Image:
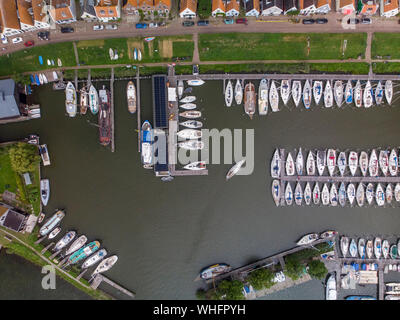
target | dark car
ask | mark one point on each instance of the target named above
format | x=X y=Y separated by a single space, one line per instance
x=241 y=20
x=188 y=23
x=29 y=43
x=43 y=35
x=203 y=23
x=366 y=21
x=353 y=21
x=141 y=25
x=67 y=29
x=321 y=20
x=308 y=21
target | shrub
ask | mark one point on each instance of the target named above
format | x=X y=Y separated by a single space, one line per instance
x=317 y=269
x=261 y=278
x=294 y=268
x=230 y=290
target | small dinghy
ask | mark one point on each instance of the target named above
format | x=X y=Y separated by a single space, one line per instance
x=369 y=249
x=59 y=63
x=321 y=161
x=353 y=248
x=189 y=134
x=288 y=194
x=333 y=196
x=389 y=91
x=369 y=193
x=180 y=88
x=338 y=92
x=276 y=164
x=353 y=162
x=361 y=248
x=378 y=247
x=188 y=106
x=235 y=169
x=368 y=96
x=316 y=194
x=273 y=97
x=358 y=94
x=385 y=249
x=307 y=239
x=342 y=194
x=384 y=161
x=328 y=234
x=373 y=164
x=290 y=169
x=310 y=164
x=229 y=94
x=331 y=161
x=348 y=93
x=191 y=145
x=192 y=124
x=342 y=163
x=276 y=192
x=393 y=163
x=317 y=91
x=307 y=194
x=238 y=92
x=44 y=191
x=344 y=245
x=55 y=232
x=379 y=93
x=360 y=195
x=188 y=99
x=328 y=95
x=389 y=193
x=351 y=193
x=195 y=82
x=296 y=92
x=298 y=194
x=299 y=163
x=263 y=97
x=190 y=114
x=285 y=91
x=397 y=192
x=363 y=163
x=195 y=166
x=325 y=195
x=380 y=195
x=307 y=94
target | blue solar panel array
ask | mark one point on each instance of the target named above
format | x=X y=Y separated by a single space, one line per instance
x=159 y=102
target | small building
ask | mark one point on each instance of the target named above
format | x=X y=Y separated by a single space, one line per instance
x=162 y=7
x=252 y=8
x=389 y=8
x=9 y=100
x=307 y=7
x=322 y=6
x=11 y=219
x=9 y=21
x=146 y=6
x=40 y=16
x=27 y=179
x=25 y=13
x=88 y=12
x=218 y=8
x=271 y=7
x=367 y=7
x=108 y=10
x=289 y=6
x=188 y=9
x=232 y=8
x=130 y=7
x=62 y=11
x=345 y=6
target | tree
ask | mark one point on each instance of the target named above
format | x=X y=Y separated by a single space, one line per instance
x=230 y=290
x=261 y=278
x=23 y=157
x=317 y=269
x=201 y=294
x=294 y=269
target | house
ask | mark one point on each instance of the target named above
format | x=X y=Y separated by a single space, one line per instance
x=162 y=7
x=271 y=7
x=130 y=7
x=289 y=6
x=367 y=7
x=9 y=99
x=345 y=6
x=25 y=13
x=252 y=8
x=108 y=10
x=12 y=219
x=218 y=8
x=322 y=6
x=88 y=12
x=40 y=16
x=147 y=6
x=389 y=8
x=307 y=7
x=188 y=9
x=232 y=8
x=9 y=21
x=62 y=11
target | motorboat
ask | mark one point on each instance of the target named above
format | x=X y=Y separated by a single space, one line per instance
x=331 y=291
x=373 y=164
x=361 y=248
x=316 y=194
x=360 y=195
x=250 y=99
x=192 y=124
x=131 y=96
x=338 y=92
x=188 y=99
x=360 y=298
x=195 y=166
x=290 y=168
x=299 y=163
x=353 y=250
x=307 y=94
x=333 y=195
x=188 y=106
x=389 y=91
x=344 y=245
x=328 y=234
x=191 y=145
x=64 y=241
x=378 y=247
x=93 y=100
x=51 y=223
x=44 y=191
x=180 y=88
x=358 y=96
x=273 y=97
x=310 y=164
x=393 y=162
x=70 y=99
x=342 y=194
x=379 y=93
x=296 y=92
x=331 y=161
x=328 y=95
x=379 y=195
x=385 y=249
x=44 y=153
x=238 y=92
x=189 y=134
x=94 y=258
x=384 y=161
x=369 y=249
x=146 y=143
x=276 y=165
x=54 y=233
x=368 y=95
x=83 y=253
x=342 y=162
x=214 y=270
x=348 y=93
x=351 y=193
x=298 y=194
x=321 y=161
x=76 y=245
x=263 y=97
x=325 y=194
x=288 y=194
x=369 y=193
x=394 y=252
x=317 y=91
x=285 y=91
x=308 y=239
x=307 y=194
x=353 y=162
x=195 y=82
x=397 y=192
x=276 y=191
x=229 y=94
x=363 y=163
x=190 y=114
x=235 y=169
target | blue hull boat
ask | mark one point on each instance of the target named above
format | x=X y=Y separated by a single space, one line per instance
x=40 y=59
x=37 y=80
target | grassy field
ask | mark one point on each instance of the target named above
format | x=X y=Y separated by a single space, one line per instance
x=7 y=175
x=28 y=59
x=272 y=46
x=386 y=68
x=386 y=44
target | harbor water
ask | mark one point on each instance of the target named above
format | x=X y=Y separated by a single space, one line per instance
x=165 y=232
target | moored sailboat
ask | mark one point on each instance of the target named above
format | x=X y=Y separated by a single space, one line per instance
x=235 y=169
x=368 y=95
x=358 y=94
x=307 y=94
x=317 y=91
x=328 y=95
x=93 y=100
x=378 y=93
x=238 y=92
x=229 y=94
x=131 y=96
x=310 y=164
x=285 y=91
x=249 y=99
x=263 y=97
x=276 y=164
x=353 y=162
x=296 y=92
x=338 y=92
x=276 y=192
x=273 y=97
x=348 y=93
x=389 y=91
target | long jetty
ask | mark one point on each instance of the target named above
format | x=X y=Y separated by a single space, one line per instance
x=138 y=107
x=112 y=111
x=99 y=278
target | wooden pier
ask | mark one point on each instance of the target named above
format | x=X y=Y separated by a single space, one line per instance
x=112 y=111
x=47 y=247
x=138 y=107
x=99 y=278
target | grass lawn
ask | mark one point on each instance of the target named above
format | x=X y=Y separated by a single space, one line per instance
x=273 y=46
x=386 y=68
x=386 y=44
x=28 y=59
x=7 y=174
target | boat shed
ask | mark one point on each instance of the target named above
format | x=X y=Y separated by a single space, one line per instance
x=11 y=219
x=8 y=99
x=160 y=120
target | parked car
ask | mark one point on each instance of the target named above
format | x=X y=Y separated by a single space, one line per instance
x=153 y=25
x=247 y=289
x=141 y=25
x=98 y=27
x=366 y=21
x=308 y=21
x=188 y=23
x=67 y=29
x=29 y=43
x=43 y=35
x=321 y=20
x=4 y=40
x=353 y=21
x=17 y=40
x=228 y=21
x=203 y=23
x=241 y=21
x=111 y=27
x=279 y=277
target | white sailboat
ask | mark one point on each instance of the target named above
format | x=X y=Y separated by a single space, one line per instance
x=393 y=163
x=196 y=166
x=195 y=82
x=389 y=91
x=328 y=95
x=353 y=162
x=180 y=88
x=189 y=134
x=379 y=93
x=348 y=93
x=384 y=161
x=369 y=193
x=360 y=195
x=285 y=91
x=188 y=106
x=317 y=91
x=276 y=192
x=368 y=97
x=273 y=97
x=379 y=195
x=333 y=195
x=238 y=92
x=331 y=161
x=235 y=169
x=299 y=163
x=363 y=163
x=358 y=94
x=263 y=97
x=325 y=195
x=298 y=194
x=338 y=92
x=351 y=193
x=288 y=194
x=192 y=124
x=316 y=194
x=342 y=163
x=296 y=92
x=93 y=100
x=307 y=194
x=321 y=161
x=389 y=193
x=397 y=192
x=310 y=164
x=342 y=194
x=307 y=94
x=229 y=94
x=290 y=169
x=188 y=99
x=373 y=164
x=276 y=164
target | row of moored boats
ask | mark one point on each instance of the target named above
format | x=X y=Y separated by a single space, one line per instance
x=369 y=249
